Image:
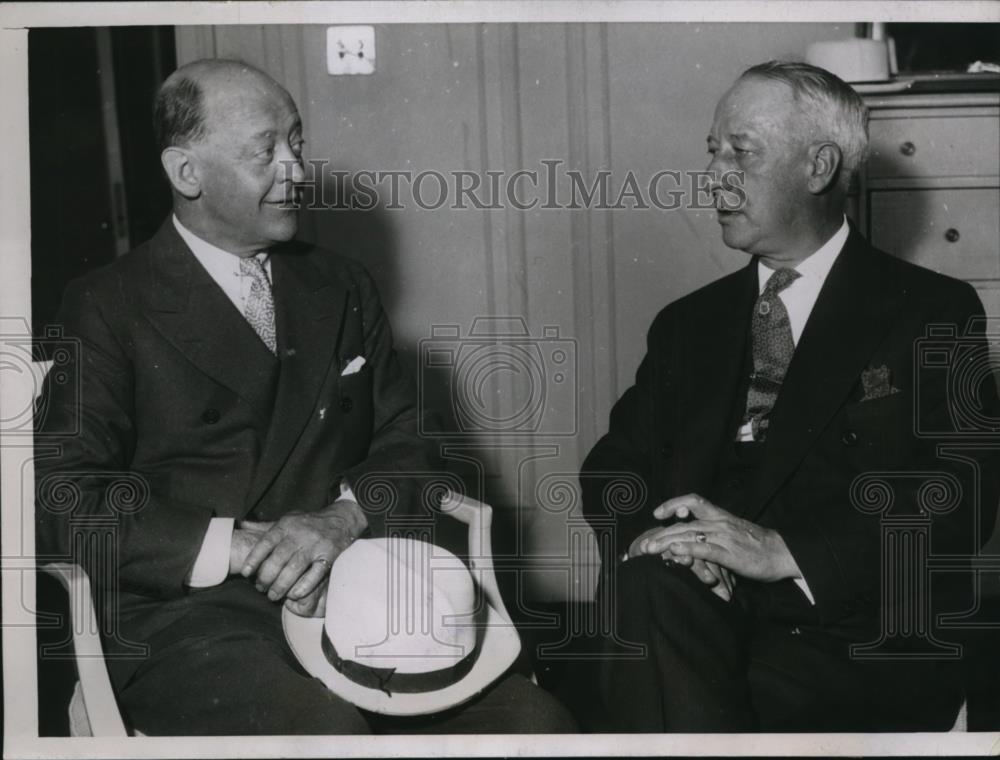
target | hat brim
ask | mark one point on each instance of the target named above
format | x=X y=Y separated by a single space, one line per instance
x=500 y=647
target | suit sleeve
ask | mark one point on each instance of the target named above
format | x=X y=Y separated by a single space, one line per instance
x=841 y=557
x=90 y=508
x=617 y=480
x=392 y=480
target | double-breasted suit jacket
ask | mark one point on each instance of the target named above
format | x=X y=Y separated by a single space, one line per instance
x=184 y=415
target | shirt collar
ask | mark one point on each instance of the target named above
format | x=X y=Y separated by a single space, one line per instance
x=205 y=250
x=817 y=265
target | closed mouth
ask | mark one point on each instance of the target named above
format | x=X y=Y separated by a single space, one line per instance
x=727 y=202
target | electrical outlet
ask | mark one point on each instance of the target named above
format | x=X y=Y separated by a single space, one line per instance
x=350 y=50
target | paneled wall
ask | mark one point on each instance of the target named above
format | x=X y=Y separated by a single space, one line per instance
x=611 y=97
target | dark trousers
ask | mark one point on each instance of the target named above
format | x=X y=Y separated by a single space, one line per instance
x=225 y=669
x=714 y=666
x=251 y=685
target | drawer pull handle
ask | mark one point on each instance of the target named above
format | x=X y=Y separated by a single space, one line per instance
x=951 y=235
x=907 y=148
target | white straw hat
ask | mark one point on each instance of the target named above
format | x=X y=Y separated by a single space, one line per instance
x=407 y=630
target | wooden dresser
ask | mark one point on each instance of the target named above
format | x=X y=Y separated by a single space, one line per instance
x=931 y=190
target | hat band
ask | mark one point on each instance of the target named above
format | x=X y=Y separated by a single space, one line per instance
x=389 y=681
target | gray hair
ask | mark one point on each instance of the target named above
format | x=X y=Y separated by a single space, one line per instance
x=833 y=108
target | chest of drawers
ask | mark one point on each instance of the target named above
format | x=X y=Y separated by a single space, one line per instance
x=931 y=190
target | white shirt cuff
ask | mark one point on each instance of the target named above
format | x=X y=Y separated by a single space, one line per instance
x=346 y=492
x=211 y=567
x=801 y=583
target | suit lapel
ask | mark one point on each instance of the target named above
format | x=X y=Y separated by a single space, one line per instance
x=310 y=316
x=716 y=342
x=192 y=312
x=850 y=317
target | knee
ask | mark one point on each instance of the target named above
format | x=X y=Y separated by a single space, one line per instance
x=322 y=712
x=532 y=710
x=640 y=571
x=235 y=685
x=652 y=572
x=647 y=583
x=640 y=577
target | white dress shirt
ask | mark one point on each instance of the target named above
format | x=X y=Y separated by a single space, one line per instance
x=211 y=567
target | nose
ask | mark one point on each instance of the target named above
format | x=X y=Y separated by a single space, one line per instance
x=291 y=168
x=298 y=171
x=718 y=167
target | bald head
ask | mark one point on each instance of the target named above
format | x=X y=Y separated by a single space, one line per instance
x=231 y=146
x=191 y=99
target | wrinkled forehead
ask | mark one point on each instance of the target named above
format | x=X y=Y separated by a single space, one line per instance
x=757 y=104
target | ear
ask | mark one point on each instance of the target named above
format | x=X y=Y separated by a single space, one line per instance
x=182 y=172
x=825 y=161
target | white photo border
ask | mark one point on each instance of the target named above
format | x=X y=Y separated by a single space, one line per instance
x=20 y=729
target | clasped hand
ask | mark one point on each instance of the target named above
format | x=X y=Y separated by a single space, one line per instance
x=290 y=558
x=716 y=545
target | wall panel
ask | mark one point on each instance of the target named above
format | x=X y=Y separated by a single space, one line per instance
x=613 y=97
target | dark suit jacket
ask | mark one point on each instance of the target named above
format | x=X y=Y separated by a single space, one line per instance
x=669 y=429
x=180 y=402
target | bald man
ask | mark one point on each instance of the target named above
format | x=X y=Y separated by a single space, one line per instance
x=244 y=385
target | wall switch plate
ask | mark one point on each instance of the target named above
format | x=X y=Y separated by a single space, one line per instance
x=350 y=50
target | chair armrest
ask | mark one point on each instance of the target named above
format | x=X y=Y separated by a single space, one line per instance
x=95 y=685
x=479 y=518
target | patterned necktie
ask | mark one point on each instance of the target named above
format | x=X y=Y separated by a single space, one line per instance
x=772 y=351
x=260 y=302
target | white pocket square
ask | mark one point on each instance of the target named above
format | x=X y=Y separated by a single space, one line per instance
x=354 y=365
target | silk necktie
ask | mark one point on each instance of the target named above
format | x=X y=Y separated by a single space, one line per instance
x=772 y=351
x=260 y=302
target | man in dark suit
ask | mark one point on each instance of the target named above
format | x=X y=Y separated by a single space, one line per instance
x=778 y=424
x=239 y=394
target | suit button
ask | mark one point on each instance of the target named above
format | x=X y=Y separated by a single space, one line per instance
x=667 y=451
x=210 y=416
x=346 y=404
x=796 y=631
x=850 y=438
x=736 y=482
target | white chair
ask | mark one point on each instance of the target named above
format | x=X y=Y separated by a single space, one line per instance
x=93 y=709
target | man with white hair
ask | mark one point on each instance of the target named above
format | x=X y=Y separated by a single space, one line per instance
x=779 y=423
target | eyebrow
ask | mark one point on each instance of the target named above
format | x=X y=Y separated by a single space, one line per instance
x=736 y=135
x=266 y=133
